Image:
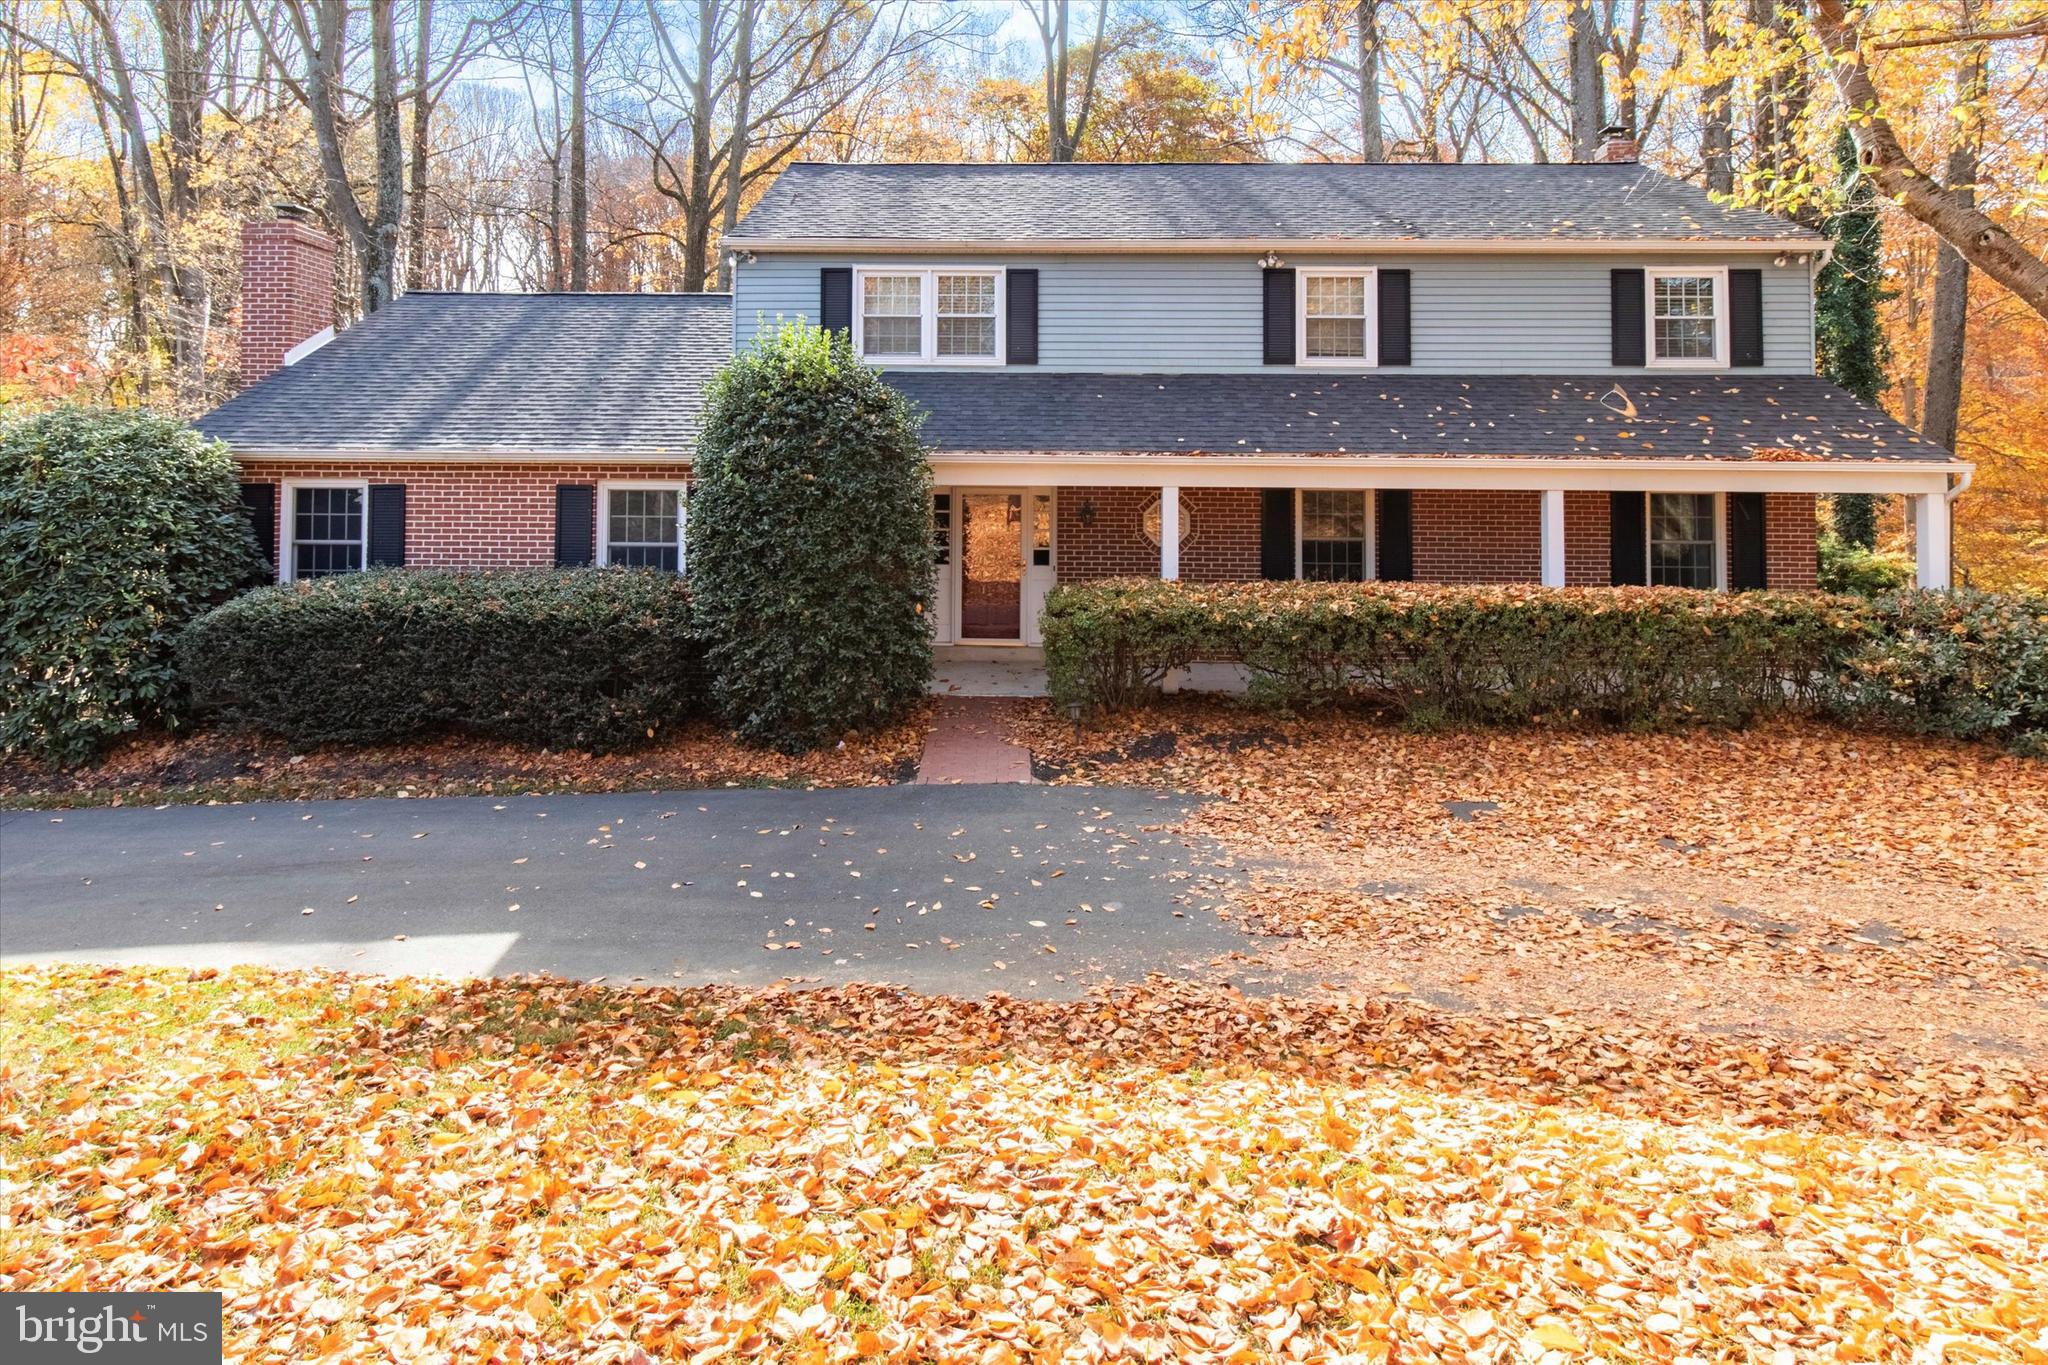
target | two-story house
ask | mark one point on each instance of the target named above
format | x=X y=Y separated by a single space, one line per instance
x=1560 y=374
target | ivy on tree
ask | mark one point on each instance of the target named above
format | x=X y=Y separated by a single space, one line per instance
x=1852 y=348
x=810 y=543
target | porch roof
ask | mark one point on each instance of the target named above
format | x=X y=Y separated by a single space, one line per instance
x=1545 y=417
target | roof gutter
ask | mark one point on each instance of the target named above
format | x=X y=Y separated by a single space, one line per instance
x=1662 y=246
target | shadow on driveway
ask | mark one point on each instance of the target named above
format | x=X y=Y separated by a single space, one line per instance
x=1037 y=891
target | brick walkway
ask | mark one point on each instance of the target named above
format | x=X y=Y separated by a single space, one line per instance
x=966 y=745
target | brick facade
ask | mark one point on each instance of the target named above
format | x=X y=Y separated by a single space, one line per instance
x=502 y=516
x=1221 y=544
x=1791 y=551
x=287 y=291
x=465 y=516
x=1478 y=535
x=1460 y=535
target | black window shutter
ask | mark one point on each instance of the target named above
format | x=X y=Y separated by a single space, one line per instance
x=575 y=525
x=1628 y=549
x=1020 y=317
x=1397 y=535
x=1625 y=290
x=1280 y=317
x=259 y=504
x=387 y=525
x=835 y=299
x=1746 y=318
x=1276 y=534
x=1746 y=571
x=1394 y=318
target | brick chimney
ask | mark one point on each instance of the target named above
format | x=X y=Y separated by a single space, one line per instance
x=1618 y=144
x=287 y=288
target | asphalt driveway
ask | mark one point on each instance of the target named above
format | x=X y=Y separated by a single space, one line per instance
x=1028 y=889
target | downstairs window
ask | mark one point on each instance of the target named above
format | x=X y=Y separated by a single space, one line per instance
x=1682 y=541
x=642 y=527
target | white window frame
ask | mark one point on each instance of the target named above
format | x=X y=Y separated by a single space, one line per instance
x=288 y=514
x=1372 y=530
x=604 y=516
x=1719 y=275
x=1371 y=276
x=1720 y=535
x=928 y=315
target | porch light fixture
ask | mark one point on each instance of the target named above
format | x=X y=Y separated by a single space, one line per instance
x=1087 y=512
x=1271 y=261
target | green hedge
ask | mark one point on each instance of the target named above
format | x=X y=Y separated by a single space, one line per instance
x=116 y=528
x=581 y=659
x=1961 y=664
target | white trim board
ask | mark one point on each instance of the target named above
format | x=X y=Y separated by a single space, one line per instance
x=1327 y=471
x=1053 y=246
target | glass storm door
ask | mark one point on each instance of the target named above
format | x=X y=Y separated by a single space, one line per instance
x=991 y=566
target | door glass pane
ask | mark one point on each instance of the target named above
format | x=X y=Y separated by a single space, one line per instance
x=942 y=528
x=991 y=566
x=1041 y=529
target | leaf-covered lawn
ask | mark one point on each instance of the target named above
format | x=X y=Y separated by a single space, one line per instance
x=1793 y=881
x=524 y=1171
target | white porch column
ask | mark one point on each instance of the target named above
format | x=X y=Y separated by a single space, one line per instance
x=1930 y=539
x=1553 y=537
x=1169 y=534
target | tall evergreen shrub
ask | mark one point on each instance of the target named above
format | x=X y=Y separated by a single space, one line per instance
x=116 y=528
x=809 y=540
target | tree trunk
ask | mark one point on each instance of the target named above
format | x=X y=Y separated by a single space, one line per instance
x=579 y=178
x=736 y=154
x=1372 y=139
x=1980 y=241
x=1717 y=138
x=1589 y=102
x=422 y=118
x=380 y=264
x=1949 y=325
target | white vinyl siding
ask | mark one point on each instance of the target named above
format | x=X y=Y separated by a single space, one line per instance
x=1204 y=314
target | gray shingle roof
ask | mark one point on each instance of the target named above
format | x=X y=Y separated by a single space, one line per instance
x=1422 y=202
x=519 y=373
x=623 y=375
x=1697 y=417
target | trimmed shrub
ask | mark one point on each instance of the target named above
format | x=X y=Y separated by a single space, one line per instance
x=1965 y=664
x=810 y=543
x=1971 y=665
x=574 y=659
x=1637 y=656
x=116 y=528
x=1847 y=567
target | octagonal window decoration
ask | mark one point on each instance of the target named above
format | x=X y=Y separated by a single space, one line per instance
x=1150 y=522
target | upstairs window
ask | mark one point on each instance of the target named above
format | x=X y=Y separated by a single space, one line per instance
x=1688 y=317
x=944 y=316
x=892 y=316
x=641 y=527
x=1336 y=322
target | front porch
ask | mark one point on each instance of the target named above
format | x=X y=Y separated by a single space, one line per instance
x=1713 y=524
